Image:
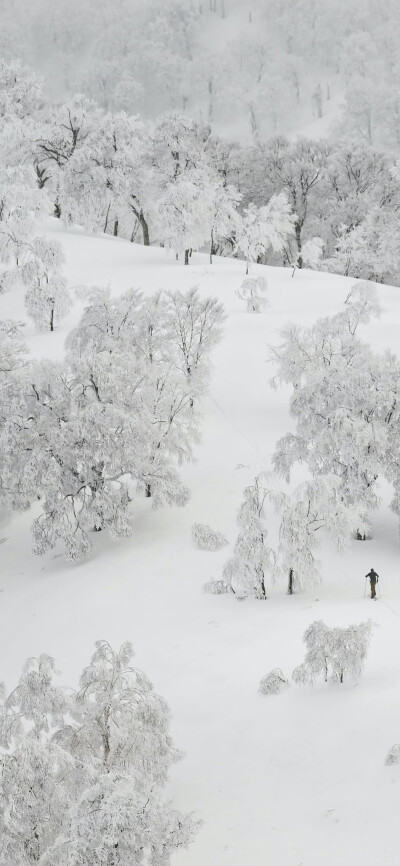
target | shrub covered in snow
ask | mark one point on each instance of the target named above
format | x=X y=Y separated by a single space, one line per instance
x=393 y=755
x=206 y=538
x=217 y=587
x=273 y=683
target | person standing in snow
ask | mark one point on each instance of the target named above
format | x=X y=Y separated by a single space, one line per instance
x=373 y=579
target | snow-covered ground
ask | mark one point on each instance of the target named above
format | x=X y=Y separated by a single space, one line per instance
x=290 y=780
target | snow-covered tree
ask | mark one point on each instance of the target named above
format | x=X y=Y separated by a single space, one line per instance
x=82 y=773
x=313 y=509
x=196 y=327
x=47 y=302
x=20 y=205
x=368 y=250
x=311 y=254
x=344 y=401
x=251 y=291
x=264 y=228
x=224 y=217
x=20 y=91
x=252 y=561
x=333 y=653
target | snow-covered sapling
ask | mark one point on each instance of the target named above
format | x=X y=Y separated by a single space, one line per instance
x=48 y=298
x=273 y=683
x=251 y=291
x=206 y=538
x=252 y=560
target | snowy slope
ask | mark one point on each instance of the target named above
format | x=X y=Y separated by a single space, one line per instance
x=292 y=780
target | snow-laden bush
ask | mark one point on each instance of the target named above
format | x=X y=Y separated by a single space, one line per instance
x=217 y=587
x=273 y=683
x=206 y=538
x=393 y=755
x=333 y=652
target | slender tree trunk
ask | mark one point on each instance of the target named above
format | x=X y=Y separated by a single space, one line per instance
x=116 y=223
x=290 y=584
x=186 y=257
x=106 y=222
x=52 y=319
x=297 y=230
x=148 y=490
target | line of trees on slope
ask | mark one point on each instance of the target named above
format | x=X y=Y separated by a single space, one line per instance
x=173 y=182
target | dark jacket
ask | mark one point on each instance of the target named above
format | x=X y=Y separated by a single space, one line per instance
x=373 y=576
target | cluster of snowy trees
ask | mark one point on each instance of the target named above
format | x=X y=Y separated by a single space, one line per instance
x=345 y=401
x=333 y=653
x=314 y=509
x=269 y=65
x=116 y=416
x=82 y=772
x=345 y=195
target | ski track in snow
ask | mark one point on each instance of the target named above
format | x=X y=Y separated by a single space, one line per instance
x=291 y=780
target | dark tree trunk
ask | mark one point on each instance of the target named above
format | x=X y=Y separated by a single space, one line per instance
x=148 y=490
x=297 y=230
x=186 y=257
x=143 y=225
x=290 y=584
x=52 y=319
x=57 y=209
x=116 y=223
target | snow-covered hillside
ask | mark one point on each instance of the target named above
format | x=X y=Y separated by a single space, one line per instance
x=293 y=780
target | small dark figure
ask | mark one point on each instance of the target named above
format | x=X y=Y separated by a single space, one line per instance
x=373 y=579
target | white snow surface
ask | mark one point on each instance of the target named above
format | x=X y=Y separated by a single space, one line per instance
x=296 y=779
